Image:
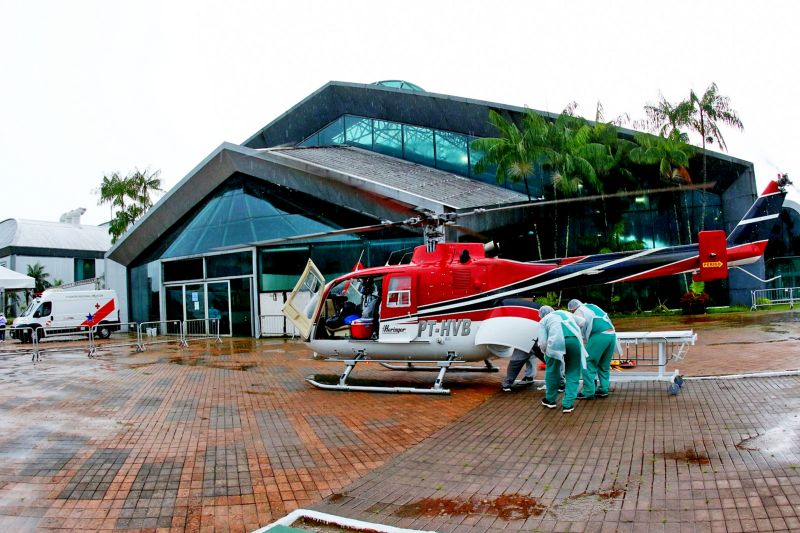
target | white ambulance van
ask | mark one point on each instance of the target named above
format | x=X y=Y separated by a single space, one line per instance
x=60 y=311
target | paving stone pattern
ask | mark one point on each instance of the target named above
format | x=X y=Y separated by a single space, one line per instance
x=199 y=439
x=209 y=438
x=721 y=456
x=226 y=472
x=151 y=500
x=95 y=475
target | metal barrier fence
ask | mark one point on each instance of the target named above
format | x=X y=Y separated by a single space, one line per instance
x=28 y=340
x=277 y=326
x=202 y=328
x=767 y=297
x=60 y=339
x=158 y=332
x=118 y=336
x=653 y=349
x=21 y=336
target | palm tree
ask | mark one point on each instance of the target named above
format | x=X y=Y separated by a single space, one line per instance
x=129 y=196
x=667 y=119
x=145 y=184
x=708 y=111
x=671 y=155
x=516 y=151
x=37 y=272
x=113 y=190
x=571 y=157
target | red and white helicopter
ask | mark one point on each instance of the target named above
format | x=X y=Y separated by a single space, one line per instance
x=454 y=304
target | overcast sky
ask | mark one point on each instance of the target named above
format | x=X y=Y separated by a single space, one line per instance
x=89 y=88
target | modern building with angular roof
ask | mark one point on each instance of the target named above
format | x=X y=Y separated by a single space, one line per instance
x=352 y=155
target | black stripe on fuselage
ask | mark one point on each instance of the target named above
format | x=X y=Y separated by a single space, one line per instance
x=577 y=274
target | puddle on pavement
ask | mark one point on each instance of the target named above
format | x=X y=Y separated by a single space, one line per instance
x=588 y=504
x=780 y=439
x=203 y=362
x=687 y=456
x=140 y=365
x=758 y=342
x=506 y=507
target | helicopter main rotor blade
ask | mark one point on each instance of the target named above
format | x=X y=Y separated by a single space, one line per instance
x=321 y=234
x=621 y=194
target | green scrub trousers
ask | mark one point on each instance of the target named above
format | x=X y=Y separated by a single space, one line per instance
x=572 y=373
x=601 y=351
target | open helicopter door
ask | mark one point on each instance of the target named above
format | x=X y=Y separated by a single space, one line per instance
x=302 y=305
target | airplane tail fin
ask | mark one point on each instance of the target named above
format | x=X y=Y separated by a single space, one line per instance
x=757 y=224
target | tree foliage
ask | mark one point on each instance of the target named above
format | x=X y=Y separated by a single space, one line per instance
x=516 y=151
x=39 y=275
x=129 y=196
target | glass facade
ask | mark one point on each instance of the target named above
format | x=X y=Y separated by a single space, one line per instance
x=242 y=212
x=445 y=150
x=400 y=84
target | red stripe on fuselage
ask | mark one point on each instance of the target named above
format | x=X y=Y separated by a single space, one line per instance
x=100 y=314
x=746 y=251
x=570 y=260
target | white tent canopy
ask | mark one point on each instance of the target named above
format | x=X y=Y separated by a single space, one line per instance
x=14 y=280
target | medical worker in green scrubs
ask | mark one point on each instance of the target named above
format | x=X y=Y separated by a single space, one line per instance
x=560 y=340
x=600 y=339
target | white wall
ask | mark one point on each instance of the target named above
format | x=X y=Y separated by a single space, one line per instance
x=99 y=267
x=117 y=279
x=62 y=268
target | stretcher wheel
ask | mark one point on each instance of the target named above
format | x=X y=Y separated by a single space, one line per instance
x=678 y=381
x=673 y=389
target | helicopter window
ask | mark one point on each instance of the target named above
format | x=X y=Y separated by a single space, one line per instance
x=399 y=292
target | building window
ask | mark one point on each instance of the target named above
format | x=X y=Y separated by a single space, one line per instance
x=182 y=270
x=388 y=138
x=418 y=145
x=84 y=269
x=358 y=131
x=225 y=265
x=451 y=152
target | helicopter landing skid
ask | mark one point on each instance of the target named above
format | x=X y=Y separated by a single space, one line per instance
x=350 y=364
x=411 y=367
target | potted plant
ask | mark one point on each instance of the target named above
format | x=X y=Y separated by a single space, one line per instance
x=696 y=300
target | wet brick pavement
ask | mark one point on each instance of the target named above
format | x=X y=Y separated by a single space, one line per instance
x=208 y=438
x=228 y=438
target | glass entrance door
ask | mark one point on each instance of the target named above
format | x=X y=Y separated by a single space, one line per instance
x=241 y=307
x=219 y=305
x=200 y=301
x=195 y=301
x=173 y=298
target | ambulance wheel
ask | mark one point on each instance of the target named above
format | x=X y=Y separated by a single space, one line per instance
x=103 y=332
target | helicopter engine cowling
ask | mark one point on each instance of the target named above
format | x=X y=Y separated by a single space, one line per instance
x=509 y=328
